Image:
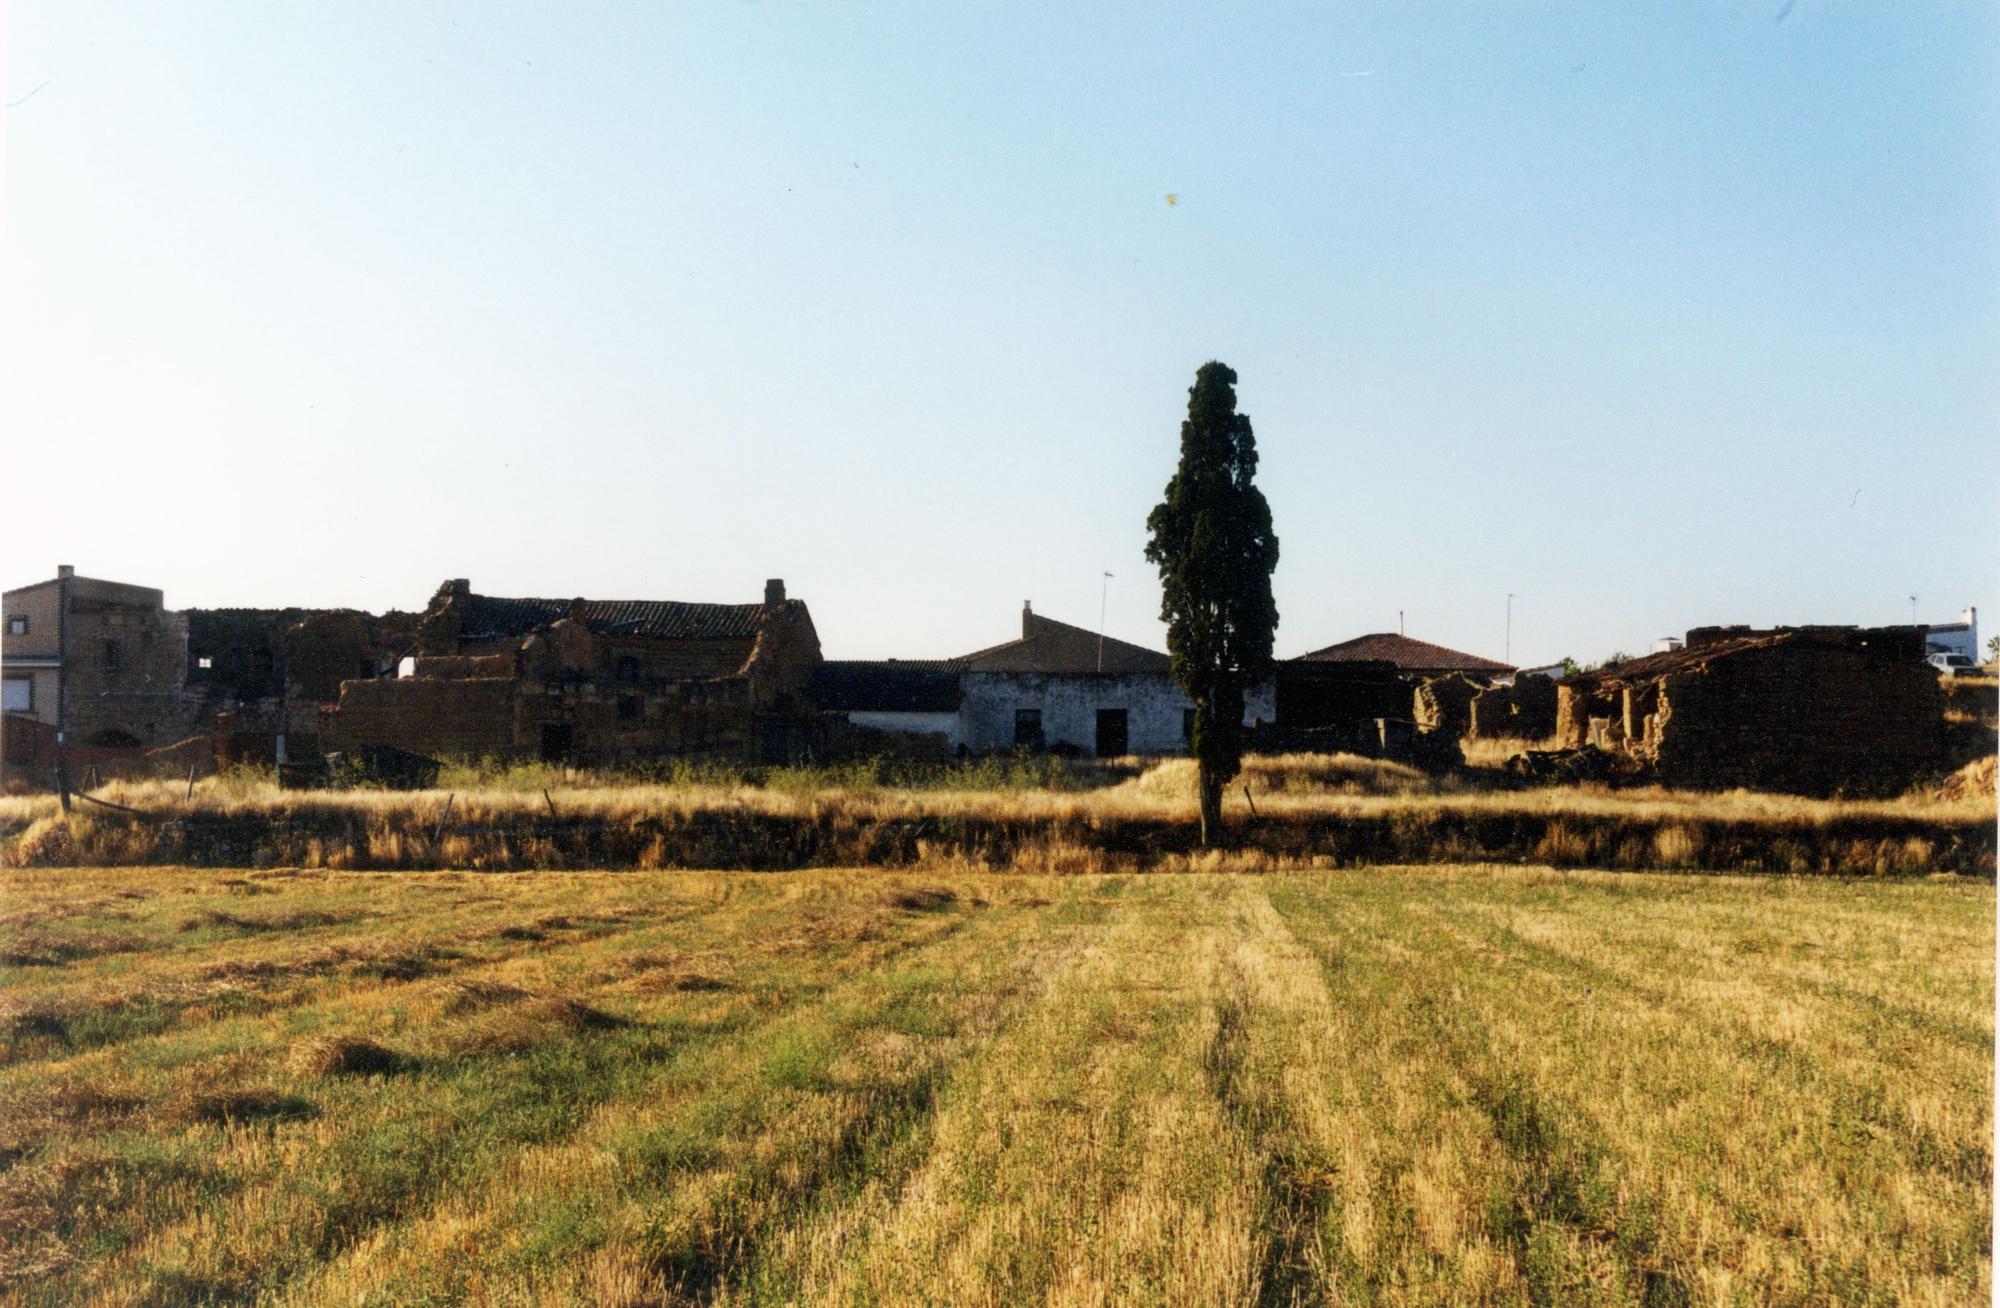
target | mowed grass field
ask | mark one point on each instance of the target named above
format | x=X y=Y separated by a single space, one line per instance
x=1437 y=1085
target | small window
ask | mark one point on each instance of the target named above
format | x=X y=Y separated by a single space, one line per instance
x=20 y=695
x=17 y=625
x=204 y=662
x=114 y=658
x=1027 y=728
x=630 y=708
x=628 y=669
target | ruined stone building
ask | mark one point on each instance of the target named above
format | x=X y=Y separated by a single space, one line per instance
x=118 y=673
x=1367 y=693
x=593 y=681
x=1808 y=710
x=1523 y=709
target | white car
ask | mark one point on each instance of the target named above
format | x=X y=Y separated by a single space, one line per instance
x=1952 y=665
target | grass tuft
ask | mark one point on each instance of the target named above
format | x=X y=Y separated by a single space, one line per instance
x=341 y=1056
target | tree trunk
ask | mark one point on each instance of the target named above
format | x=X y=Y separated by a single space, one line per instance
x=1211 y=807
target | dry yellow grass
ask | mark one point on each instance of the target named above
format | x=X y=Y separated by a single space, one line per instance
x=1401 y=1086
x=1289 y=807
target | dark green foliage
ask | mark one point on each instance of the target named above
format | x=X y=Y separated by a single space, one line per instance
x=1213 y=544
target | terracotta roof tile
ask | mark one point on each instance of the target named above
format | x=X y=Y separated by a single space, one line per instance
x=1406 y=653
x=491 y=616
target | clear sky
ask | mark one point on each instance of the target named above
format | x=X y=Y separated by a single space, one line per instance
x=1655 y=315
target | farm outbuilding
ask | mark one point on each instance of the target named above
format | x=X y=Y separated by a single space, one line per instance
x=1806 y=709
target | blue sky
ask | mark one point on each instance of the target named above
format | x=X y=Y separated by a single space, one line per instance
x=1654 y=315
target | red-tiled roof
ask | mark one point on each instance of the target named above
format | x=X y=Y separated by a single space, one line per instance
x=1407 y=654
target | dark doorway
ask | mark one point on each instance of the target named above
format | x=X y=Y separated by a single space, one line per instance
x=1111 y=737
x=557 y=740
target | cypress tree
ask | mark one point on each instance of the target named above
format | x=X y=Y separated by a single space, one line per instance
x=1213 y=543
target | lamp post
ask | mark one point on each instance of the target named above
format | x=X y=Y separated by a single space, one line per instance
x=1103 y=593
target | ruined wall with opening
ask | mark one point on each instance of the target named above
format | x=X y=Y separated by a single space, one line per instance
x=1805 y=715
x=1444 y=704
x=1792 y=716
x=1526 y=710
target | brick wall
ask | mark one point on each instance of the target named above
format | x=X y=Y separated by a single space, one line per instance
x=437 y=718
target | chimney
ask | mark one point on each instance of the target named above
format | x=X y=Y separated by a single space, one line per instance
x=64 y=570
x=774 y=591
x=1027 y=618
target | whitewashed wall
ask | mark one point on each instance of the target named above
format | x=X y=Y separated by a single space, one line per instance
x=1154 y=708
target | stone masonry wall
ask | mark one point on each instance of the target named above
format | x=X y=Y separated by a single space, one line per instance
x=440 y=719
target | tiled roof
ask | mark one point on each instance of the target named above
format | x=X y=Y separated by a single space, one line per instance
x=1406 y=653
x=1052 y=646
x=490 y=616
x=887 y=686
x=1675 y=660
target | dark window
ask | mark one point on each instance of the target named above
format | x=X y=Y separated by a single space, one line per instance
x=1111 y=733
x=629 y=707
x=1027 y=728
x=558 y=738
x=628 y=668
x=17 y=626
x=1187 y=725
x=113 y=738
x=20 y=695
x=114 y=658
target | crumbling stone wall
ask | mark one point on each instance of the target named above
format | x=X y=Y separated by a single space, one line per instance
x=124 y=668
x=463 y=718
x=783 y=657
x=1810 y=711
x=1525 y=710
x=1578 y=702
x=1794 y=717
x=1444 y=704
x=314 y=649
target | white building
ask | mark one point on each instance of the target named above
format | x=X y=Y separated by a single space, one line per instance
x=1961 y=637
x=1058 y=687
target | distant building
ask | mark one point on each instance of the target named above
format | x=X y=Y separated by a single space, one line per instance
x=1806 y=709
x=1408 y=656
x=1057 y=687
x=594 y=681
x=103 y=662
x=1961 y=637
x=910 y=696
